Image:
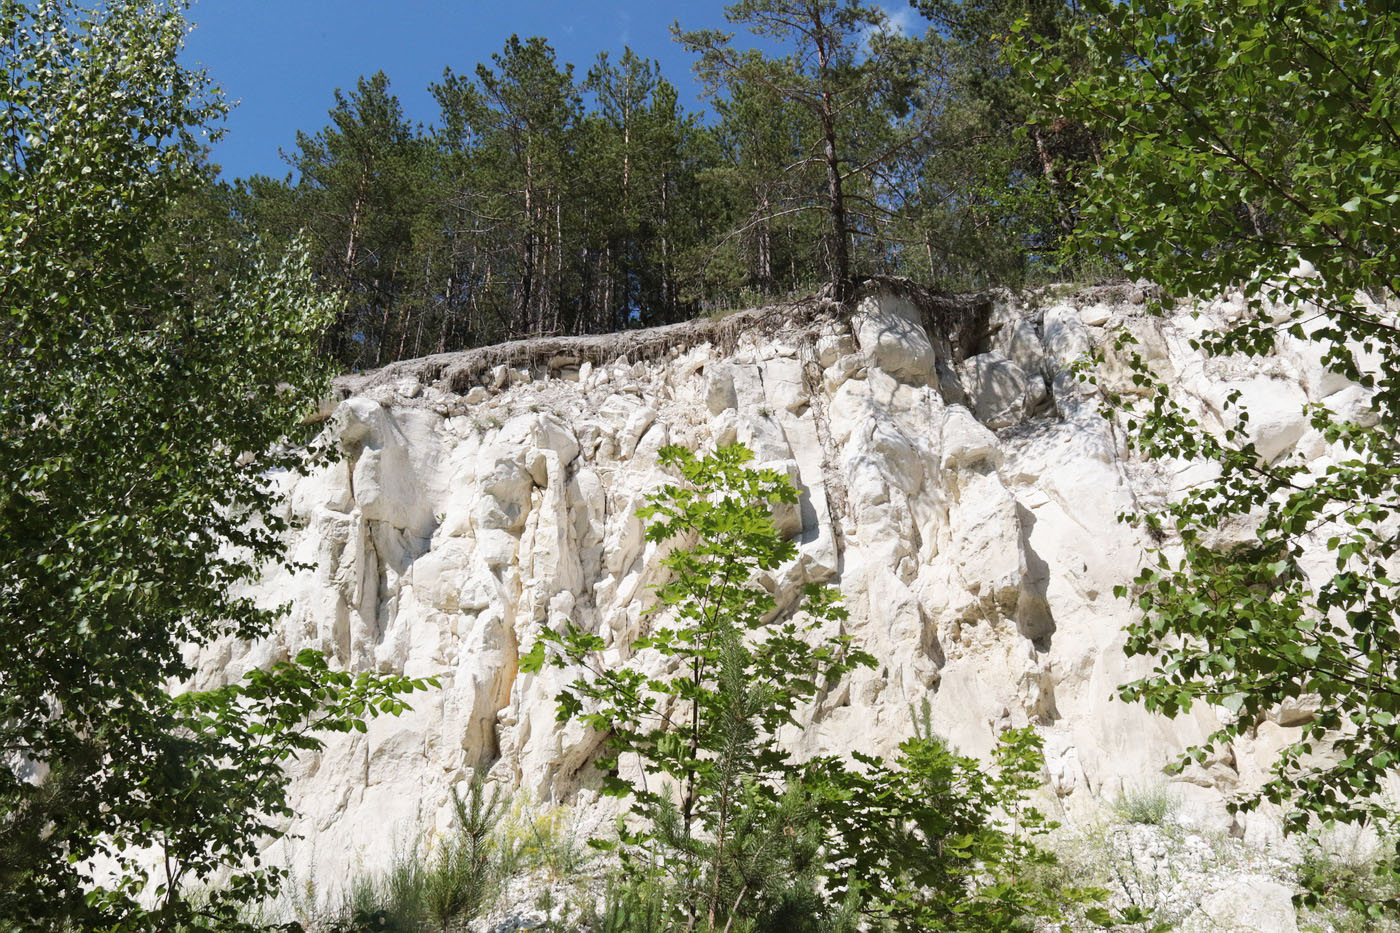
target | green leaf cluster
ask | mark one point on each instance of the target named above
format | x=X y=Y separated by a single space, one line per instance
x=937 y=841
x=151 y=406
x=1254 y=146
x=694 y=713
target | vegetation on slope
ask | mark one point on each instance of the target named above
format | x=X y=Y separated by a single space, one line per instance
x=147 y=404
x=160 y=344
x=544 y=201
x=1256 y=147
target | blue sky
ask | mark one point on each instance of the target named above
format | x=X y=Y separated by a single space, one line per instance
x=281 y=60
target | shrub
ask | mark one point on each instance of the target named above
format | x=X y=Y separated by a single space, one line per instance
x=635 y=902
x=1151 y=805
x=455 y=884
x=390 y=903
x=939 y=842
x=462 y=875
x=533 y=837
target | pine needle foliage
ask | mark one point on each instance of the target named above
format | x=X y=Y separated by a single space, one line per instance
x=462 y=877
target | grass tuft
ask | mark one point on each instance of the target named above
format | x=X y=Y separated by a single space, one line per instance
x=1151 y=805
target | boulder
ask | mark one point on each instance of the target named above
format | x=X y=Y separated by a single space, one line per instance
x=1252 y=904
x=1018 y=342
x=719 y=389
x=999 y=392
x=891 y=333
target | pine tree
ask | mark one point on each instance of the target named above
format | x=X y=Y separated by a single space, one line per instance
x=521 y=118
x=357 y=191
x=992 y=196
x=843 y=67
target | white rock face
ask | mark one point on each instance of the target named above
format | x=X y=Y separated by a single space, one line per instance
x=1000 y=391
x=891 y=332
x=1250 y=904
x=976 y=546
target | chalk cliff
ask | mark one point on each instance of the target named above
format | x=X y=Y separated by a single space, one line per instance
x=958 y=485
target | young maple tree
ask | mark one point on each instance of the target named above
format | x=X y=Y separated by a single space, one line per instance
x=701 y=700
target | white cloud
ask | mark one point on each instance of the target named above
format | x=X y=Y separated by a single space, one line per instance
x=903 y=20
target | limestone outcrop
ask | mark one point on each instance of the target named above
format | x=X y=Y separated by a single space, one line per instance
x=958 y=484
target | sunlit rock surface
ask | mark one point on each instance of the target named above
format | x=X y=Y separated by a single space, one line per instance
x=958 y=485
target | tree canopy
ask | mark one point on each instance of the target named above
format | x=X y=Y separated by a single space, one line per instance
x=549 y=199
x=849 y=79
x=1254 y=147
x=150 y=398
